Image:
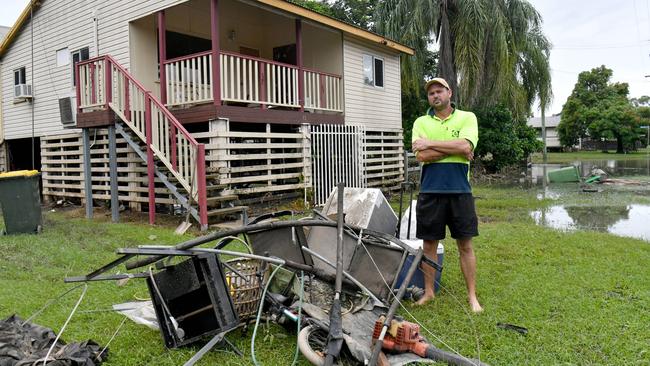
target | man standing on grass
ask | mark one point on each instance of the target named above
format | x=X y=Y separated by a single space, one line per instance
x=444 y=140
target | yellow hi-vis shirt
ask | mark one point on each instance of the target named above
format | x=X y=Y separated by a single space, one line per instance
x=451 y=174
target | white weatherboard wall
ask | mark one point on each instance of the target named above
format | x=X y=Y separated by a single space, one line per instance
x=59 y=24
x=368 y=105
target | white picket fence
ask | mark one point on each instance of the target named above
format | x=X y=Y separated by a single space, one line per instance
x=337 y=153
x=361 y=157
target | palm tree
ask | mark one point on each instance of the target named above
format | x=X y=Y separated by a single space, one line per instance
x=491 y=51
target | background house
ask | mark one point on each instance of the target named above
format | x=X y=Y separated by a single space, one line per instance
x=268 y=98
x=552 y=137
x=584 y=143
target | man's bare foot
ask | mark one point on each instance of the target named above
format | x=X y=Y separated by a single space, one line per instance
x=475 y=306
x=425 y=299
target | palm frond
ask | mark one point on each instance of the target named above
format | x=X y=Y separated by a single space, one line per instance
x=490 y=51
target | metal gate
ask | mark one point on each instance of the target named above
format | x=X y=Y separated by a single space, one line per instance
x=337 y=152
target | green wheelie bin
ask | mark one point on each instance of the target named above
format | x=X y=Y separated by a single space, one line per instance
x=21 y=201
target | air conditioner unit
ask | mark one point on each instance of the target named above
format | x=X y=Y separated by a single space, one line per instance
x=23 y=91
x=65 y=111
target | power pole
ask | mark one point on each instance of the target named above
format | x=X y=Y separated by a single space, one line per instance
x=544 y=134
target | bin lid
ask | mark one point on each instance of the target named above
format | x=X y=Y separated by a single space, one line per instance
x=19 y=173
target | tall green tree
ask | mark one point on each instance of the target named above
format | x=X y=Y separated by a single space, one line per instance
x=415 y=104
x=642 y=101
x=601 y=110
x=362 y=14
x=642 y=105
x=356 y=12
x=491 y=52
x=315 y=5
x=504 y=139
x=644 y=117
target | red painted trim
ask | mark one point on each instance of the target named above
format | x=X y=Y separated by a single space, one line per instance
x=206 y=112
x=78 y=86
x=274 y=63
x=127 y=100
x=91 y=60
x=262 y=82
x=216 y=61
x=172 y=136
x=259 y=59
x=150 y=162
x=301 y=76
x=173 y=120
x=125 y=72
x=321 y=87
x=108 y=83
x=321 y=73
x=201 y=183
x=162 y=55
x=188 y=57
x=96 y=118
x=262 y=72
x=118 y=66
x=93 y=98
x=154 y=100
x=175 y=127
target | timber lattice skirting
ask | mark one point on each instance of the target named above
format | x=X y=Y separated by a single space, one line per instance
x=249 y=162
x=63 y=176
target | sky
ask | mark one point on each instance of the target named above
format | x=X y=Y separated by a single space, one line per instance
x=11 y=9
x=588 y=34
x=584 y=33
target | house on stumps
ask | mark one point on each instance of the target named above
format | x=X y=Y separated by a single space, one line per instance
x=208 y=104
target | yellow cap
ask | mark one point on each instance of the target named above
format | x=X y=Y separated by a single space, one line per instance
x=18 y=173
x=440 y=81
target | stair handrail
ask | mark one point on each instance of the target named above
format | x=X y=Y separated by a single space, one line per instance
x=102 y=80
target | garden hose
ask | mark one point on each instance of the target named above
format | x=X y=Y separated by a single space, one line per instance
x=261 y=307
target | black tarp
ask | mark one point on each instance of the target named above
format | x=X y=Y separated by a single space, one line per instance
x=26 y=344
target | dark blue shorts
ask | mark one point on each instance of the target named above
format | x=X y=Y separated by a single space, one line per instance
x=435 y=211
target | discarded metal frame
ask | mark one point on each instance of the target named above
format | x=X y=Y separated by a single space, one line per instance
x=168 y=251
x=192 y=300
x=157 y=253
x=180 y=249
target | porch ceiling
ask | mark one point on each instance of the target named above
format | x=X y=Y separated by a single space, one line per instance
x=336 y=24
x=290 y=10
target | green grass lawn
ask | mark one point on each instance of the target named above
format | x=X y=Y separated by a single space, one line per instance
x=567 y=157
x=584 y=296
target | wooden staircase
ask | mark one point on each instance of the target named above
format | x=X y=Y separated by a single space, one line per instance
x=169 y=151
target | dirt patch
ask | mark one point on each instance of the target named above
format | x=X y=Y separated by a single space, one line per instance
x=102 y=214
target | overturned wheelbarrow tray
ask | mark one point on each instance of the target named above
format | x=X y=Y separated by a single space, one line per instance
x=564 y=175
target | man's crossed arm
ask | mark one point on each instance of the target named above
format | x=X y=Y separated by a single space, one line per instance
x=433 y=150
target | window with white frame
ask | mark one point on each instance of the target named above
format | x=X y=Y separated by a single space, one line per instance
x=20 y=76
x=78 y=56
x=63 y=57
x=373 y=71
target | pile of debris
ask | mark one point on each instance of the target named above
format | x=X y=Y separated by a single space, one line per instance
x=337 y=277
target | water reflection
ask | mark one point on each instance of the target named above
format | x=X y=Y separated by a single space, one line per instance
x=614 y=168
x=597 y=218
x=631 y=220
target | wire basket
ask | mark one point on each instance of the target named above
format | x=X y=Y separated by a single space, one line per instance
x=244 y=285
